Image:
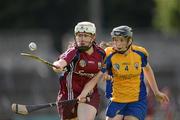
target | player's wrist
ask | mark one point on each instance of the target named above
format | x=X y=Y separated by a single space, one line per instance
x=156 y=92
x=58 y=68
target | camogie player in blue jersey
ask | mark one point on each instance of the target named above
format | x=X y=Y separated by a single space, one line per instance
x=128 y=65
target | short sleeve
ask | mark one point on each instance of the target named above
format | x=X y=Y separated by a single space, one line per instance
x=69 y=55
x=143 y=53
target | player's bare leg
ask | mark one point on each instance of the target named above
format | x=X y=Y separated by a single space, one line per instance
x=86 y=112
x=130 y=118
x=75 y=118
x=117 y=117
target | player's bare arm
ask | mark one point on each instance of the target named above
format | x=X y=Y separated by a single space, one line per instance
x=149 y=74
x=90 y=85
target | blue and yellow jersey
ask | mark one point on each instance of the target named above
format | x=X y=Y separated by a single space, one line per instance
x=128 y=78
x=108 y=90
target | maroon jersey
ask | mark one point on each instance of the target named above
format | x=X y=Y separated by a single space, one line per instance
x=81 y=68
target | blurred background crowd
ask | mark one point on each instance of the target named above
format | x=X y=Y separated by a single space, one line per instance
x=50 y=24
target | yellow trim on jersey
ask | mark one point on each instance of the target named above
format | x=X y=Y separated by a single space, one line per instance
x=139 y=48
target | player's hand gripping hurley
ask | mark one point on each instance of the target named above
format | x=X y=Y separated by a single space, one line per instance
x=26 y=109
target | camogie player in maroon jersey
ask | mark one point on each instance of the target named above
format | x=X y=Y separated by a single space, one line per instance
x=82 y=61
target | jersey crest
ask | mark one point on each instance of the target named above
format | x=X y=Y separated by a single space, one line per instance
x=136 y=65
x=82 y=63
x=116 y=66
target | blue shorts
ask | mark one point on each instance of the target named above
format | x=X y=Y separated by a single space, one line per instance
x=137 y=109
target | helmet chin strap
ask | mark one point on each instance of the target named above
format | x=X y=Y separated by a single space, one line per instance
x=121 y=51
x=84 y=48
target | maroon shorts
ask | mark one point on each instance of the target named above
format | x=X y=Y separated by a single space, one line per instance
x=69 y=111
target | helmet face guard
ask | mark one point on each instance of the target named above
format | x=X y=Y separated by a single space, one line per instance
x=85 y=27
x=84 y=41
x=125 y=32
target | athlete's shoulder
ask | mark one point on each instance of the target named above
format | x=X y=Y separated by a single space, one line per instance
x=69 y=52
x=72 y=49
x=109 y=50
x=100 y=50
x=140 y=49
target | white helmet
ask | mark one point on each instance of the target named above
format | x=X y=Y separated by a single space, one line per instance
x=87 y=27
